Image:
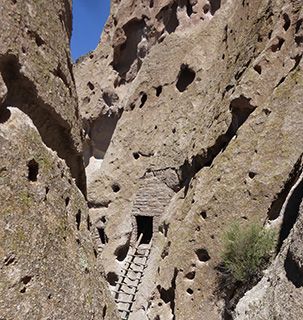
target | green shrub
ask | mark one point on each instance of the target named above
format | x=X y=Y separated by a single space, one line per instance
x=247 y=250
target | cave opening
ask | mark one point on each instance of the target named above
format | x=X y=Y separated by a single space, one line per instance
x=144 y=227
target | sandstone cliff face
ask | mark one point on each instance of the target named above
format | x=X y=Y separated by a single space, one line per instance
x=204 y=96
x=48 y=267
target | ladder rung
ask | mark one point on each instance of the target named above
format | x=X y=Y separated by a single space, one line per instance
x=124 y=310
x=131 y=279
x=125 y=284
x=123 y=292
x=136 y=263
x=129 y=269
x=122 y=301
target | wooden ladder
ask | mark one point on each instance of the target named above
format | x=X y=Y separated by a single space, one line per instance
x=132 y=273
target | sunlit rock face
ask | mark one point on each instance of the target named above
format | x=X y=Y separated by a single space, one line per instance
x=48 y=265
x=204 y=96
x=36 y=69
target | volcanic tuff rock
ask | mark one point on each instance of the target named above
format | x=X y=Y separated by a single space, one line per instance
x=47 y=263
x=206 y=96
x=36 y=70
x=48 y=267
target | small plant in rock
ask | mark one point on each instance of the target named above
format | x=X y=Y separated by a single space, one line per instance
x=247 y=250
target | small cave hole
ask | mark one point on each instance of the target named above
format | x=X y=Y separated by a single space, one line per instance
x=23 y=290
x=158 y=91
x=168 y=15
x=33 y=170
x=102 y=235
x=202 y=255
x=95 y=253
x=39 y=41
x=90 y=86
x=185 y=77
x=121 y=251
x=78 y=219
x=299 y=40
x=190 y=275
x=189 y=9
x=206 y=8
x=190 y=291
x=25 y=280
x=241 y=109
x=143 y=100
x=67 y=200
x=115 y=187
x=214 y=6
x=144 y=227
x=278 y=45
x=258 y=68
x=112 y=278
x=136 y=155
x=251 y=174
x=286 y=21
x=203 y=214
x=104 y=311
x=151 y=3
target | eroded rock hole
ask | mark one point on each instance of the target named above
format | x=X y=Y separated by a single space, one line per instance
x=33 y=170
x=115 y=187
x=104 y=311
x=190 y=291
x=168 y=15
x=202 y=255
x=143 y=100
x=112 y=278
x=203 y=214
x=299 y=40
x=90 y=86
x=126 y=53
x=190 y=275
x=67 y=200
x=241 y=108
x=158 y=91
x=25 y=280
x=286 y=21
x=121 y=251
x=102 y=235
x=78 y=219
x=136 y=155
x=214 y=6
x=258 y=68
x=185 y=77
x=278 y=45
x=145 y=227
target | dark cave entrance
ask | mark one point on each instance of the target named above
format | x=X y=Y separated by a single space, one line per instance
x=144 y=226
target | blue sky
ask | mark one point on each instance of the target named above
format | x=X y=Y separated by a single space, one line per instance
x=89 y=17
